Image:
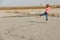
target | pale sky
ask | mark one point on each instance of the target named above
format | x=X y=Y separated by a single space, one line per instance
x=28 y=2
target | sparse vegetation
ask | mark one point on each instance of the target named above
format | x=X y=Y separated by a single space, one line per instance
x=26 y=7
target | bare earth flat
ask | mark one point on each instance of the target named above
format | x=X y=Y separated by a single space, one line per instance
x=29 y=28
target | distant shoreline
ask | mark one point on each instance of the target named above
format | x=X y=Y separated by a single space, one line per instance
x=25 y=7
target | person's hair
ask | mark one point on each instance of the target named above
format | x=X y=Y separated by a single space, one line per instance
x=47 y=5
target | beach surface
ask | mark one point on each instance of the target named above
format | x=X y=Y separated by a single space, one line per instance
x=28 y=27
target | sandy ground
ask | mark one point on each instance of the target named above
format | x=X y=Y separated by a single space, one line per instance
x=29 y=28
